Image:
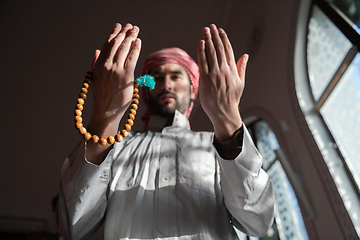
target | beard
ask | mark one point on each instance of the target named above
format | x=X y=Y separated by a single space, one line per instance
x=165 y=109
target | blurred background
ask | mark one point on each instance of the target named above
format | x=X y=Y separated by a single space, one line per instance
x=301 y=101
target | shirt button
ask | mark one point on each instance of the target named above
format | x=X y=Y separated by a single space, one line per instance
x=166 y=178
x=167 y=156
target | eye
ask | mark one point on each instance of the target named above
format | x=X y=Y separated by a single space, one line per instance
x=158 y=78
x=176 y=76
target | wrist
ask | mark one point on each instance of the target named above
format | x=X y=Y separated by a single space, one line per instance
x=104 y=126
x=225 y=129
x=235 y=142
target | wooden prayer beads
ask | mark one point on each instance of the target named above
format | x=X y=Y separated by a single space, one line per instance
x=80 y=106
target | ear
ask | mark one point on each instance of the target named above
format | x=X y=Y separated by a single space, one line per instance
x=192 y=93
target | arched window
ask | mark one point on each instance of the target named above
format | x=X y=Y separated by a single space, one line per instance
x=289 y=223
x=330 y=93
x=334 y=76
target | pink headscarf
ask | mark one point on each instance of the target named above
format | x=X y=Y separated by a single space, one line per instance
x=172 y=55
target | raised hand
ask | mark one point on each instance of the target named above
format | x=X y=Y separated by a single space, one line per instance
x=222 y=81
x=112 y=85
x=113 y=74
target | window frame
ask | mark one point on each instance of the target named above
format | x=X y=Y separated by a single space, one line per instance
x=344 y=25
x=341 y=189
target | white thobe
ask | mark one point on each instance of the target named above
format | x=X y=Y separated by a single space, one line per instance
x=166 y=183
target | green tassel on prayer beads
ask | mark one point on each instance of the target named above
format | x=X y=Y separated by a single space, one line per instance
x=147 y=81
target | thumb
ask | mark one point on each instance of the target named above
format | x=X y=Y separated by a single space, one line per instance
x=241 y=66
x=97 y=54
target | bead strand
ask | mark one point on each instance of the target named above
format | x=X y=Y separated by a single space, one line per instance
x=111 y=139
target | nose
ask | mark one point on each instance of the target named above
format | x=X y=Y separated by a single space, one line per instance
x=168 y=82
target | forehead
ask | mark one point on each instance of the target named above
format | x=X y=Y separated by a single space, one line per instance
x=169 y=68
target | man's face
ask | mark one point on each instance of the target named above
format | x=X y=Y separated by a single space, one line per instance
x=173 y=90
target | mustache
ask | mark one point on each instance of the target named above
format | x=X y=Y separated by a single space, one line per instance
x=165 y=92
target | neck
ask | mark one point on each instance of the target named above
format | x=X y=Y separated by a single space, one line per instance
x=169 y=121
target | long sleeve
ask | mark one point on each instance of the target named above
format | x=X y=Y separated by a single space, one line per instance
x=165 y=185
x=83 y=195
x=248 y=191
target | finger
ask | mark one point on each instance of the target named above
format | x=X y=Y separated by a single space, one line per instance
x=241 y=66
x=114 y=32
x=203 y=65
x=116 y=42
x=210 y=51
x=125 y=47
x=105 y=48
x=133 y=56
x=218 y=44
x=97 y=53
x=229 y=52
